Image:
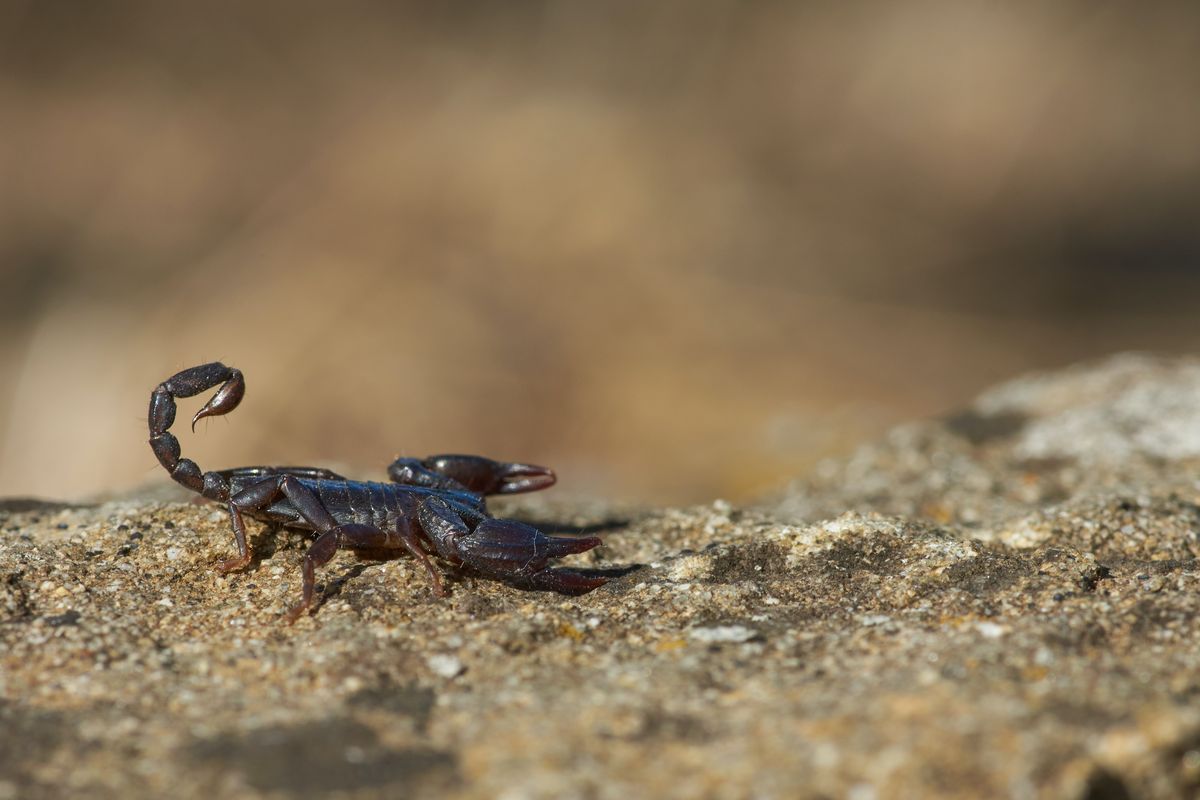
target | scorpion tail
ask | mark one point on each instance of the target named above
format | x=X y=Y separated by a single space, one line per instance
x=187 y=383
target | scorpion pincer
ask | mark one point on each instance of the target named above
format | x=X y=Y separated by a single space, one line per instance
x=433 y=506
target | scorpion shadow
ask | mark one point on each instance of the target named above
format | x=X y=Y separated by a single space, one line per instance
x=25 y=505
x=564 y=530
x=615 y=525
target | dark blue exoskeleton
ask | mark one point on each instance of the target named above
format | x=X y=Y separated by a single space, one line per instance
x=434 y=506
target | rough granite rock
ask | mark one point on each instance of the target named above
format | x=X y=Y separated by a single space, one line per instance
x=999 y=604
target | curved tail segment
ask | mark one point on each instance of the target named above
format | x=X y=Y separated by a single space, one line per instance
x=188 y=383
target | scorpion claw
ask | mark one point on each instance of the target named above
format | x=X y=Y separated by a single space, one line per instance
x=516 y=478
x=485 y=476
x=564 y=546
x=520 y=553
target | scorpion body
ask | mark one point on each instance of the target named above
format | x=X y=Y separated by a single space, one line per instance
x=433 y=506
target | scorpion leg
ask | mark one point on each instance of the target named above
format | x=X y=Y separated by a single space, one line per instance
x=260 y=495
x=506 y=549
x=331 y=535
x=318 y=554
x=474 y=474
x=355 y=537
x=236 y=482
x=239 y=536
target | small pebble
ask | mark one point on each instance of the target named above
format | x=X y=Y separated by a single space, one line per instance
x=722 y=634
x=990 y=630
x=446 y=666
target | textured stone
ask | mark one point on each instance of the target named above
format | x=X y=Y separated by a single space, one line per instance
x=1003 y=603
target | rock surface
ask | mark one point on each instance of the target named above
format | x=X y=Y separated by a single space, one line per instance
x=1001 y=603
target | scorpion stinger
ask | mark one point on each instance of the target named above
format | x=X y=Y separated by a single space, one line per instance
x=434 y=506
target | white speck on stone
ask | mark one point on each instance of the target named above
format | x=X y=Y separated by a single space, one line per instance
x=991 y=630
x=445 y=666
x=173 y=553
x=720 y=634
x=871 y=620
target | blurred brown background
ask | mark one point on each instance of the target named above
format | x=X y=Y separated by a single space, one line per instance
x=674 y=249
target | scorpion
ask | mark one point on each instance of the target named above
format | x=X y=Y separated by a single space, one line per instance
x=432 y=507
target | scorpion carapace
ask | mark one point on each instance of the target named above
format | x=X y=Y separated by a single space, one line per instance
x=434 y=506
